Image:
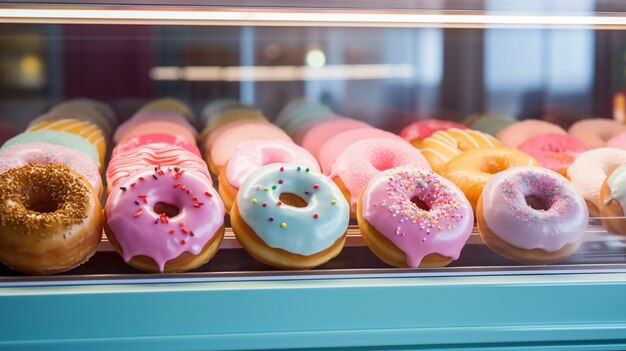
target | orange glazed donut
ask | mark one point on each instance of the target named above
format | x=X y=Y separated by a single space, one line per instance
x=50 y=219
x=445 y=145
x=473 y=168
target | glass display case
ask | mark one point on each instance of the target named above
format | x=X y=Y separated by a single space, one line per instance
x=386 y=63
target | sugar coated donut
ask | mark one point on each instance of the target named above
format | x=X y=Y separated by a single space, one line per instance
x=169 y=104
x=445 y=145
x=618 y=141
x=253 y=155
x=554 y=151
x=155 y=138
x=128 y=162
x=517 y=133
x=613 y=201
x=56 y=137
x=43 y=153
x=590 y=169
x=595 y=132
x=489 y=123
x=364 y=159
x=85 y=129
x=416 y=132
x=50 y=219
x=334 y=146
x=289 y=218
x=471 y=170
x=317 y=135
x=404 y=235
x=531 y=215
x=183 y=212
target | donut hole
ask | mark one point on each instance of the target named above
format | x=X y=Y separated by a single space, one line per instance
x=41 y=201
x=419 y=203
x=382 y=164
x=492 y=166
x=293 y=200
x=536 y=203
x=168 y=209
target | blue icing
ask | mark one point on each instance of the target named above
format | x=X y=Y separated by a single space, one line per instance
x=300 y=111
x=55 y=137
x=303 y=234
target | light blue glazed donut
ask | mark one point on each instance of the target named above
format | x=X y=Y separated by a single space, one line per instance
x=55 y=137
x=300 y=111
x=299 y=230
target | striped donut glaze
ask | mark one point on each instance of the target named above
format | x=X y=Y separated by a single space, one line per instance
x=445 y=145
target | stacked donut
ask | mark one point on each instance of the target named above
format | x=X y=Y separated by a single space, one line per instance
x=50 y=214
x=162 y=212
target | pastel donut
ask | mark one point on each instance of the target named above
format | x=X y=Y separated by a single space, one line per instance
x=140 y=118
x=183 y=211
x=531 y=215
x=590 y=169
x=331 y=149
x=595 y=132
x=416 y=132
x=301 y=111
x=151 y=127
x=444 y=145
x=489 y=123
x=232 y=115
x=471 y=170
x=69 y=140
x=126 y=163
x=85 y=129
x=554 y=151
x=364 y=159
x=216 y=107
x=517 y=133
x=276 y=230
x=209 y=139
x=405 y=235
x=43 y=153
x=618 y=141
x=169 y=105
x=613 y=201
x=84 y=110
x=316 y=136
x=155 y=138
x=225 y=146
x=251 y=156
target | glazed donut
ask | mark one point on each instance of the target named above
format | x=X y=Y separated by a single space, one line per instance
x=183 y=212
x=85 y=129
x=232 y=115
x=618 y=141
x=404 y=234
x=155 y=138
x=169 y=105
x=595 y=132
x=489 y=123
x=254 y=155
x=416 y=132
x=215 y=107
x=43 y=153
x=135 y=126
x=554 y=151
x=613 y=201
x=50 y=219
x=299 y=223
x=471 y=170
x=590 y=169
x=531 y=215
x=85 y=110
x=517 y=133
x=315 y=137
x=156 y=126
x=361 y=161
x=301 y=112
x=126 y=163
x=208 y=139
x=445 y=145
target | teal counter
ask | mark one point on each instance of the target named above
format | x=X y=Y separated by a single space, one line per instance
x=514 y=312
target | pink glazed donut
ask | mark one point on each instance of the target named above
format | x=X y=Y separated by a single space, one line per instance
x=531 y=215
x=432 y=236
x=44 y=153
x=316 y=136
x=415 y=132
x=594 y=132
x=517 y=133
x=156 y=126
x=155 y=138
x=364 y=159
x=554 y=151
x=165 y=221
x=618 y=141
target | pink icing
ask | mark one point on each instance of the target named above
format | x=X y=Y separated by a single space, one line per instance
x=217 y=133
x=128 y=162
x=302 y=129
x=317 y=135
x=425 y=128
x=156 y=138
x=366 y=158
x=139 y=118
x=618 y=141
x=256 y=154
x=156 y=126
x=517 y=133
x=553 y=151
x=508 y=216
x=594 y=132
x=443 y=229
x=44 y=153
x=226 y=145
x=331 y=149
x=141 y=231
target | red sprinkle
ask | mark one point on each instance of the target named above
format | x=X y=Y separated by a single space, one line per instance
x=182 y=224
x=172 y=232
x=177 y=185
x=184 y=230
x=142 y=178
x=264 y=204
x=195 y=198
x=208 y=194
x=279 y=203
x=138 y=213
x=142 y=196
x=196 y=205
x=132 y=185
x=280 y=181
x=315 y=186
x=316 y=216
x=183 y=188
x=282 y=169
x=183 y=242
